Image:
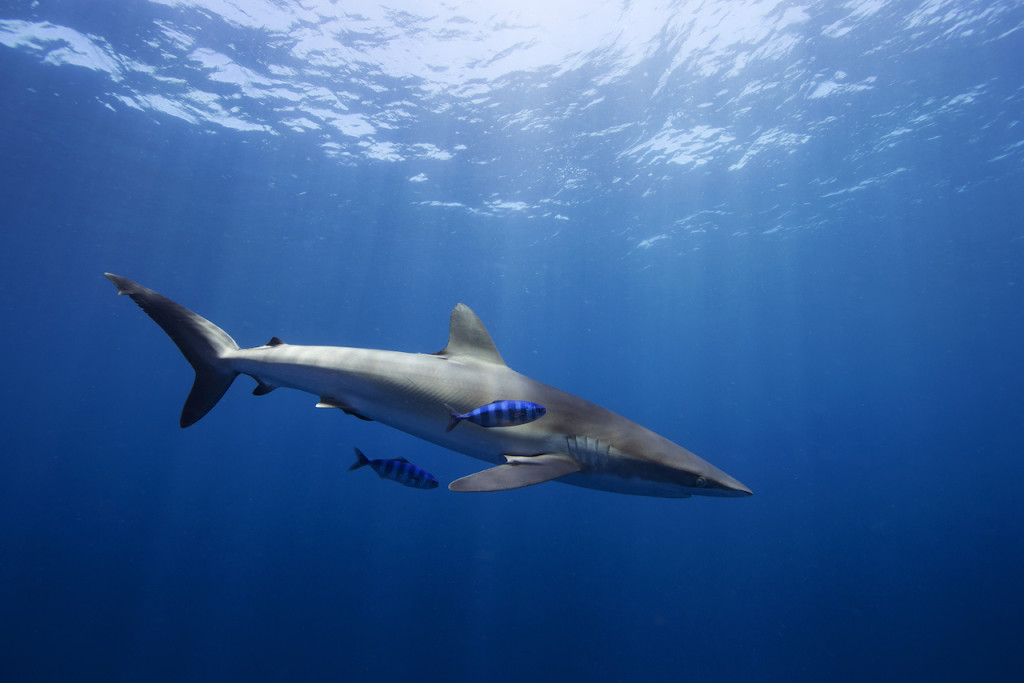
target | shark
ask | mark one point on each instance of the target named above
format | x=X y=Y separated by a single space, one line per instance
x=575 y=442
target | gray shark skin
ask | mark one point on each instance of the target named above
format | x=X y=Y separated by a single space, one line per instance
x=576 y=442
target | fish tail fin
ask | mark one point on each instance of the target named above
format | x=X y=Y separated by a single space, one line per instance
x=361 y=460
x=202 y=343
x=455 y=418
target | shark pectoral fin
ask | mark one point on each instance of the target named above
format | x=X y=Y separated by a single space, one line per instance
x=519 y=471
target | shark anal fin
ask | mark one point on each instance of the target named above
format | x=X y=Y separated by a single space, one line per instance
x=342 y=406
x=262 y=388
x=518 y=472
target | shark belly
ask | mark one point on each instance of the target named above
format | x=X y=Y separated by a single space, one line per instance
x=406 y=391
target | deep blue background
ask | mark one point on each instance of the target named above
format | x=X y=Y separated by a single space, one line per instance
x=863 y=378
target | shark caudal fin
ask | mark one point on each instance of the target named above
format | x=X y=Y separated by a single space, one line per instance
x=202 y=343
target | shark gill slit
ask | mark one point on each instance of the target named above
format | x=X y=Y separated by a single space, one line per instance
x=591 y=453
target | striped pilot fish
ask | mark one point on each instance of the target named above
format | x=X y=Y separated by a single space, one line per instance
x=498 y=414
x=397 y=469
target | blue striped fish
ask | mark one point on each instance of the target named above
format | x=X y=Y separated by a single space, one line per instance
x=397 y=469
x=498 y=414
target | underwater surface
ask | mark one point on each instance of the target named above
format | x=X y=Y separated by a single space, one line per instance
x=789 y=237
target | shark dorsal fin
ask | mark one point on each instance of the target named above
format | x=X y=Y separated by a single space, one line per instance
x=467 y=337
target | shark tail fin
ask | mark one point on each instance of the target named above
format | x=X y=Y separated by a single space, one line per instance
x=455 y=418
x=361 y=460
x=202 y=343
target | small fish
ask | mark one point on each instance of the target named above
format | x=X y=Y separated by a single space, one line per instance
x=498 y=414
x=397 y=469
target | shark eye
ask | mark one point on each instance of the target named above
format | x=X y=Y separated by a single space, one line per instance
x=701 y=482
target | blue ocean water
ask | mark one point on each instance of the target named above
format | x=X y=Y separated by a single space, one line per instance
x=788 y=237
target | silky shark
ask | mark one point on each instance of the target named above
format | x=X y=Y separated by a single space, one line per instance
x=576 y=442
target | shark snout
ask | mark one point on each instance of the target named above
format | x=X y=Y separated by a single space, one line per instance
x=722 y=485
x=738 y=489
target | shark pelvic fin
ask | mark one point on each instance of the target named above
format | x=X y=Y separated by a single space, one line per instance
x=519 y=471
x=467 y=337
x=326 y=402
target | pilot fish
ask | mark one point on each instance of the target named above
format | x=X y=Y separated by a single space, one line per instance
x=397 y=469
x=498 y=414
